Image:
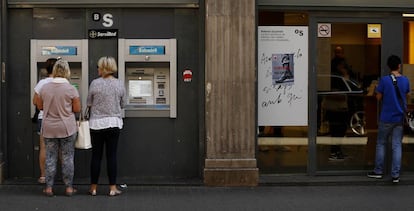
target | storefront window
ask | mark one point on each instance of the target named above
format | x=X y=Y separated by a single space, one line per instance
x=408 y=70
x=283 y=149
x=348 y=65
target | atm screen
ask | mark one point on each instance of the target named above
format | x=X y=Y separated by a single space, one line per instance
x=76 y=85
x=140 y=88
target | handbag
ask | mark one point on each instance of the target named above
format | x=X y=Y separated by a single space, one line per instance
x=83 y=140
x=35 y=115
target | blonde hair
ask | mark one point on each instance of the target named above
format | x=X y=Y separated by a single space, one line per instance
x=61 y=69
x=107 y=65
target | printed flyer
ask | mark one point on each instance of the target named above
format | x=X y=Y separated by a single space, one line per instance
x=283 y=76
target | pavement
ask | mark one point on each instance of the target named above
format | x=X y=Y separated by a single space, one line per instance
x=302 y=193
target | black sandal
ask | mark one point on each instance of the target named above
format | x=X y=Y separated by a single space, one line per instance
x=48 y=193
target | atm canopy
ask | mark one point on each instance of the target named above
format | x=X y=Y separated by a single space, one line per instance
x=340 y=3
x=104 y=3
x=401 y=4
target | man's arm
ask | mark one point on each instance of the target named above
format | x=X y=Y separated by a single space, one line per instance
x=39 y=103
x=35 y=98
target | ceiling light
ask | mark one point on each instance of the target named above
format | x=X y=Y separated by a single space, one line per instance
x=408 y=15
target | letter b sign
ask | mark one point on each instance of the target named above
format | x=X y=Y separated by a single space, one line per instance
x=96 y=16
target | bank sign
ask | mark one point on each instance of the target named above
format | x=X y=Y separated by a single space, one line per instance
x=147 y=50
x=59 y=50
x=102 y=33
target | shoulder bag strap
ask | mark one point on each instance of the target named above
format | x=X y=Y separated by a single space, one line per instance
x=397 y=90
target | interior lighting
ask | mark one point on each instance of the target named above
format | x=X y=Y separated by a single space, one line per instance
x=408 y=15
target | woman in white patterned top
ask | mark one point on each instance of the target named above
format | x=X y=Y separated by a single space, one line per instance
x=106 y=98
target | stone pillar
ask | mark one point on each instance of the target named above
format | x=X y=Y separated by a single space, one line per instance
x=230 y=93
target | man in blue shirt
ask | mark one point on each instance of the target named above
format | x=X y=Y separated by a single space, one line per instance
x=393 y=91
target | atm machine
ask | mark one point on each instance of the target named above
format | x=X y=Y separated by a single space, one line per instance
x=148 y=68
x=73 y=51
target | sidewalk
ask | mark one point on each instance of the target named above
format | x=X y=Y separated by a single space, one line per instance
x=194 y=198
x=264 y=180
x=273 y=193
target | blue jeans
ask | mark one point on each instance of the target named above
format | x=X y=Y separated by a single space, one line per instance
x=385 y=130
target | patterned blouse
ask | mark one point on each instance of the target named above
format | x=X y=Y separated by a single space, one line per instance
x=106 y=99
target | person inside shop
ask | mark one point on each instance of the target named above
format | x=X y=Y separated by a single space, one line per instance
x=336 y=107
x=392 y=92
x=338 y=113
x=339 y=57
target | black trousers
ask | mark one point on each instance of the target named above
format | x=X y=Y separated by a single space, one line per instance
x=338 y=124
x=108 y=139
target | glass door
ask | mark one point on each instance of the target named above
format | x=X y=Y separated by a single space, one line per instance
x=348 y=66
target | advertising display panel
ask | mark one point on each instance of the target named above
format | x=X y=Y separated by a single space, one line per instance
x=282 y=75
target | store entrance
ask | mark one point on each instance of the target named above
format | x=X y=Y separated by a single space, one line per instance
x=341 y=134
x=348 y=65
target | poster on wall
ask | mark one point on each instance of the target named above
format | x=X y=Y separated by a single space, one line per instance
x=282 y=75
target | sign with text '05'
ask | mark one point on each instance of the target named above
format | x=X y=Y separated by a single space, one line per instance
x=283 y=76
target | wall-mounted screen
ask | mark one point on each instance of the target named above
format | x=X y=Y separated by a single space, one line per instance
x=140 y=88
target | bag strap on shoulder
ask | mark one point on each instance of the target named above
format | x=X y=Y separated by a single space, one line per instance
x=397 y=90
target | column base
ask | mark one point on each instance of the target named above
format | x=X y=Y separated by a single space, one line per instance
x=231 y=172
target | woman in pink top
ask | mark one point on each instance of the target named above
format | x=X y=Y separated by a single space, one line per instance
x=59 y=101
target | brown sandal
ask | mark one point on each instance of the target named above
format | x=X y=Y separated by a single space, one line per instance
x=71 y=193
